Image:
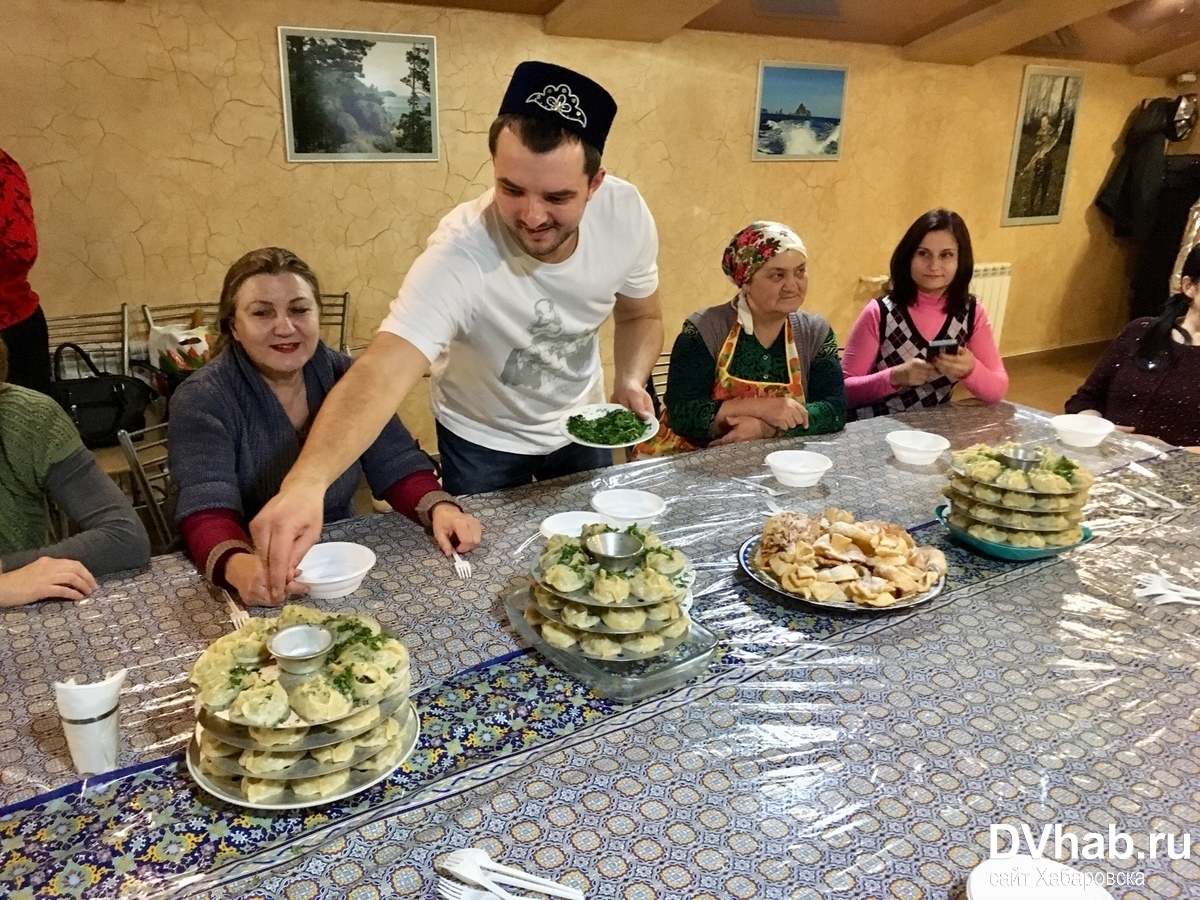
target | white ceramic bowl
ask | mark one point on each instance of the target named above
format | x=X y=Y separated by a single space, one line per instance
x=335 y=569
x=571 y=523
x=1082 y=431
x=798 y=468
x=917 y=448
x=627 y=507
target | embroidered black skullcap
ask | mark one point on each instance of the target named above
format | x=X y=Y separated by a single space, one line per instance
x=556 y=94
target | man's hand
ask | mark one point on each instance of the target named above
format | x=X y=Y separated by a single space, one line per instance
x=634 y=397
x=955 y=365
x=246 y=573
x=454 y=529
x=283 y=532
x=744 y=428
x=912 y=373
x=46 y=578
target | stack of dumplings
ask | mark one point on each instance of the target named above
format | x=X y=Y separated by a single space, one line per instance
x=994 y=502
x=580 y=607
x=271 y=739
x=831 y=558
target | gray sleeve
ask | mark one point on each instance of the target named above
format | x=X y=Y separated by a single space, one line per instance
x=111 y=536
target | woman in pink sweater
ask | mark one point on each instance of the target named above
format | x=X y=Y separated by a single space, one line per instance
x=888 y=363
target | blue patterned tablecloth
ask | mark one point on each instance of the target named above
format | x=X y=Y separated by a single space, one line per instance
x=848 y=755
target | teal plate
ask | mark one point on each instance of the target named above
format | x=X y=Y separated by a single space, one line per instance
x=1004 y=551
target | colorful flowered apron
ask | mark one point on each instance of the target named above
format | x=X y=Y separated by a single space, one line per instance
x=729 y=387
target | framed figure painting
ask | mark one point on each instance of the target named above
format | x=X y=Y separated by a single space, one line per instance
x=1041 y=154
x=799 y=111
x=358 y=96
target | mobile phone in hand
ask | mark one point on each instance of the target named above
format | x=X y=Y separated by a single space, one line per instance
x=949 y=346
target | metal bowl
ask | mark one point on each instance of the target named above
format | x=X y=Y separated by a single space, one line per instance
x=1020 y=458
x=300 y=649
x=615 y=551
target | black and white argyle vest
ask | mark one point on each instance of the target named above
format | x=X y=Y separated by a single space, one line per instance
x=900 y=341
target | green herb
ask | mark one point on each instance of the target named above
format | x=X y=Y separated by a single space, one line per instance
x=1065 y=468
x=617 y=426
x=237 y=676
x=343 y=682
x=567 y=554
x=359 y=635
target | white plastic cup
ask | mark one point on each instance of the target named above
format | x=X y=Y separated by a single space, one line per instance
x=91 y=721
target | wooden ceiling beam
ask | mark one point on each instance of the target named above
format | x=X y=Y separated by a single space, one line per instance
x=1001 y=27
x=623 y=20
x=1170 y=62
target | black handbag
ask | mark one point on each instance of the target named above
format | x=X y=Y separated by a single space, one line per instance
x=102 y=404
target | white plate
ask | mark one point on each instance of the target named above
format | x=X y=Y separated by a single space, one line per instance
x=751 y=547
x=359 y=781
x=595 y=411
x=571 y=523
x=1021 y=877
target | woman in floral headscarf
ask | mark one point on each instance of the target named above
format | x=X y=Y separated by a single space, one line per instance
x=757 y=366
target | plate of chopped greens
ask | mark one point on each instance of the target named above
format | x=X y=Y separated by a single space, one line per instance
x=606 y=425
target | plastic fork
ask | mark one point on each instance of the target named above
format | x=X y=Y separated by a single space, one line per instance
x=474 y=865
x=1164 y=599
x=1157 y=584
x=238 y=614
x=462 y=568
x=771 y=492
x=452 y=890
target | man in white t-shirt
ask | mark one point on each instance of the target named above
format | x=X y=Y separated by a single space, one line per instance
x=505 y=303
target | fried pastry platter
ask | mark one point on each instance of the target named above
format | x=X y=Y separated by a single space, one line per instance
x=267 y=739
x=832 y=561
x=587 y=611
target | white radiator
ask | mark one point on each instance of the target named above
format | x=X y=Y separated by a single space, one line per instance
x=990 y=284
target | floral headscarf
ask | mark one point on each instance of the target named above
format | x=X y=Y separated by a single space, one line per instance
x=754 y=245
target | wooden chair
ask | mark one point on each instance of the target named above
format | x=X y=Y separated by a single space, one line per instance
x=100 y=334
x=656 y=387
x=146 y=452
x=335 y=321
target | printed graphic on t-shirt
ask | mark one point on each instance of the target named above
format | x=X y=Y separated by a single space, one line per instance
x=554 y=357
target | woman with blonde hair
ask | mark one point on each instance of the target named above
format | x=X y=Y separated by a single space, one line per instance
x=237 y=426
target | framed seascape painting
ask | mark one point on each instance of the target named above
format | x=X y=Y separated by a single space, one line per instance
x=799 y=111
x=358 y=96
x=1041 y=154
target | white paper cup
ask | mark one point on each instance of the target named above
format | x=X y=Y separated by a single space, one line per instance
x=91 y=721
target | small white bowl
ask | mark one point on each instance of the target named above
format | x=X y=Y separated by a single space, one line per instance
x=626 y=507
x=798 y=468
x=571 y=523
x=1082 y=431
x=335 y=569
x=917 y=448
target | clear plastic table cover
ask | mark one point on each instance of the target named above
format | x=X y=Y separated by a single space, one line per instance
x=820 y=754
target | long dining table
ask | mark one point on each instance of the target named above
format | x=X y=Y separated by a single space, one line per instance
x=820 y=754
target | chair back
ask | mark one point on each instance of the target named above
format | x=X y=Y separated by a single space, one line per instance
x=335 y=321
x=105 y=336
x=146 y=452
x=656 y=387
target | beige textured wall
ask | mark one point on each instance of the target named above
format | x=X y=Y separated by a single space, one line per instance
x=152 y=135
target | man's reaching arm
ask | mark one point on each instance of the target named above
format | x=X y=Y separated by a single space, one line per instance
x=350 y=419
x=637 y=342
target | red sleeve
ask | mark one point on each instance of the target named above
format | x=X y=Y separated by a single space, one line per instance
x=862 y=349
x=204 y=531
x=405 y=494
